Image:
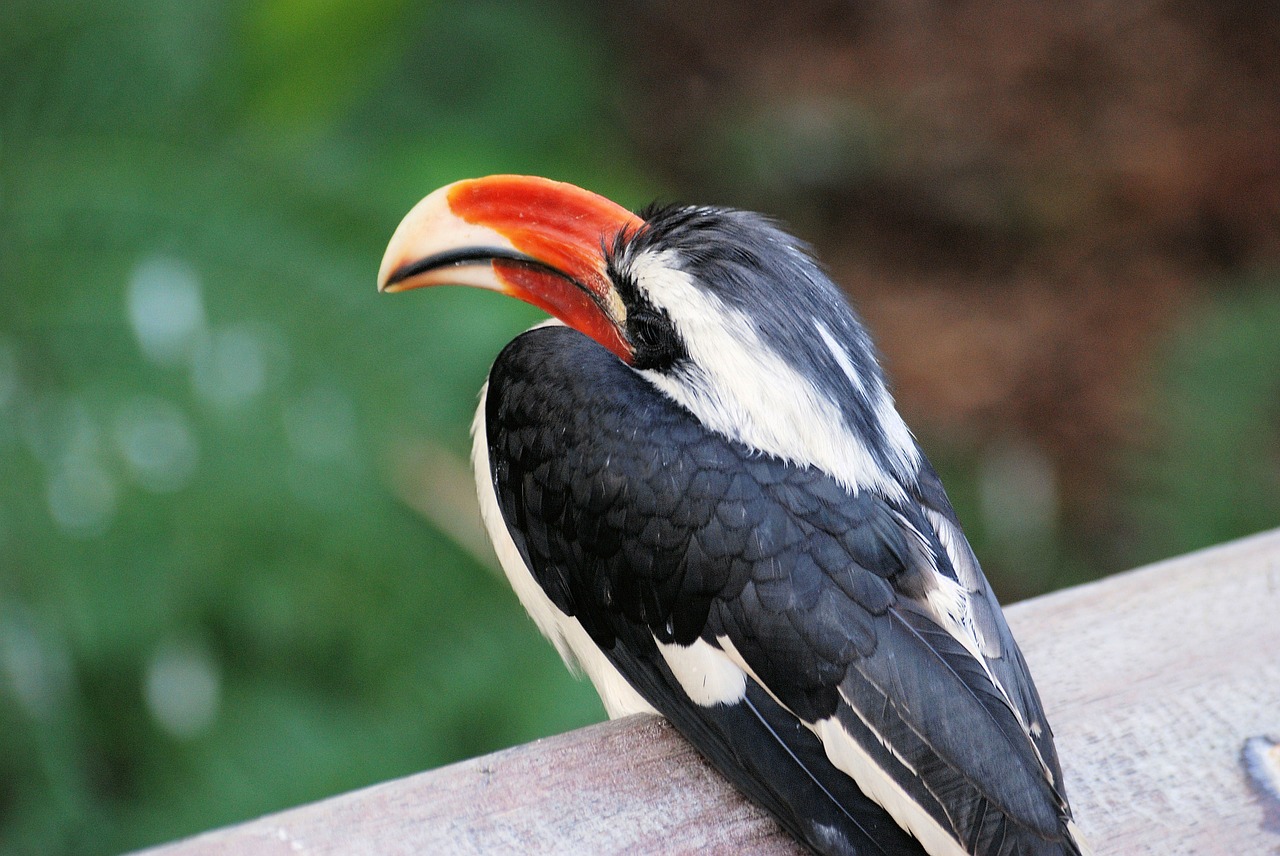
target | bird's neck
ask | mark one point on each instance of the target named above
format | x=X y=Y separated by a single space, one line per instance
x=767 y=406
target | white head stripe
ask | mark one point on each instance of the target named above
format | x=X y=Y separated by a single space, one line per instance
x=742 y=388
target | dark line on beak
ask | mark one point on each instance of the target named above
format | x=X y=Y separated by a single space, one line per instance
x=470 y=256
x=484 y=255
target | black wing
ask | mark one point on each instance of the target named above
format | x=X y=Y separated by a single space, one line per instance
x=650 y=530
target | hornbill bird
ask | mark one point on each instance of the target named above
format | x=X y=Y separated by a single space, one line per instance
x=700 y=489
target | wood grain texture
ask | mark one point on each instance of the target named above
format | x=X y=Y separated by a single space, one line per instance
x=1153 y=681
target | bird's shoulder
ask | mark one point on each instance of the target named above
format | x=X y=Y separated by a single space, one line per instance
x=604 y=476
x=607 y=477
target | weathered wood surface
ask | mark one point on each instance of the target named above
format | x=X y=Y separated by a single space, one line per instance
x=1153 y=681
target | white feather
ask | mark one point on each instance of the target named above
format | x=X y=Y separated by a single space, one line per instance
x=744 y=390
x=850 y=758
x=845 y=753
x=952 y=608
x=842 y=358
x=706 y=674
x=896 y=433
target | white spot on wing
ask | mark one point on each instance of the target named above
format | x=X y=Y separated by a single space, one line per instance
x=953 y=608
x=954 y=543
x=706 y=674
x=949 y=605
x=968 y=573
x=948 y=601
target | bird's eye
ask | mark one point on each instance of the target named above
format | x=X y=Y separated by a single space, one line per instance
x=646 y=328
x=653 y=339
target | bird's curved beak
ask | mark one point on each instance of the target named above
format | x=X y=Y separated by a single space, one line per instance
x=539 y=240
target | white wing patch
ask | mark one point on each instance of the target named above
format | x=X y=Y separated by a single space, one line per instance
x=952 y=608
x=948 y=601
x=845 y=753
x=961 y=559
x=706 y=674
x=949 y=604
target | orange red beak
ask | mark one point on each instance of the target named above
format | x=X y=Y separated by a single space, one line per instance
x=535 y=239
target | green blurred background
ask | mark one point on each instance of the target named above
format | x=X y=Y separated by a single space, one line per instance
x=239 y=568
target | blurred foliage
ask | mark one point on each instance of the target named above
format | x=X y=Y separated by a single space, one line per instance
x=211 y=604
x=1215 y=473
x=215 y=600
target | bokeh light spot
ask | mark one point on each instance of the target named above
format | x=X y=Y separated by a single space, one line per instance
x=183 y=688
x=157 y=442
x=34 y=662
x=231 y=367
x=55 y=426
x=81 y=497
x=1018 y=491
x=166 y=310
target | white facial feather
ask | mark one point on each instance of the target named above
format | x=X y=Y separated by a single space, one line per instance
x=741 y=388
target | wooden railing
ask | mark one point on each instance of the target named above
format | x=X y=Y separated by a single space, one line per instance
x=1155 y=681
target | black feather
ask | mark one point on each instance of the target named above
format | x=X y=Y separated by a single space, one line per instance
x=679 y=534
